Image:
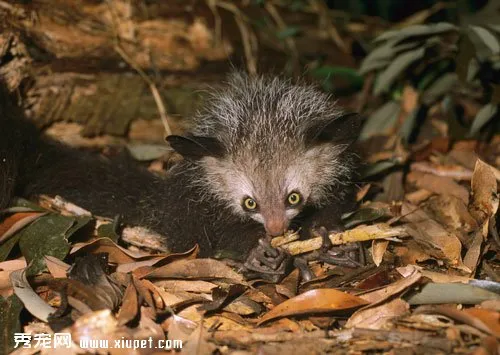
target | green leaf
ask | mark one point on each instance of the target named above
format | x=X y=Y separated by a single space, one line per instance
x=80 y=222
x=379 y=167
x=288 y=32
x=7 y=247
x=27 y=205
x=46 y=236
x=381 y=121
x=472 y=70
x=466 y=53
x=417 y=30
x=495 y=28
x=489 y=39
x=495 y=94
x=396 y=68
x=482 y=49
x=10 y=310
x=109 y=230
x=409 y=124
x=485 y=114
x=364 y=215
x=382 y=55
x=439 y=88
x=442 y=293
x=329 y=72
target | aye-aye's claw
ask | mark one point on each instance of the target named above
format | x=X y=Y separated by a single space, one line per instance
x=348 y=255
x=267 y=262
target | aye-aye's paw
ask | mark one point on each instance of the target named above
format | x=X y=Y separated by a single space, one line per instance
x=347 y=255
x=266 y=262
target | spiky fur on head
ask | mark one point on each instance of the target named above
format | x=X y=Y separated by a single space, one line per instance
x=264 y=126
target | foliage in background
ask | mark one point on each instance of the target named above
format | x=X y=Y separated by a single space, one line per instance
x=439 y=65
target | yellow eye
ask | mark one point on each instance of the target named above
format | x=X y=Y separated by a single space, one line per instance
x=250 y=204
x=294 y=198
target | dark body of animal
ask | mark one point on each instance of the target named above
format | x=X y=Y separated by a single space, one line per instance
x=264 y=155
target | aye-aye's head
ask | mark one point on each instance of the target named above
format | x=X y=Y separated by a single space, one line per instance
x=268 y=148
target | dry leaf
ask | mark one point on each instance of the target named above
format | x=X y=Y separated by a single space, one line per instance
x=377 y=317
x=438 y=185
x=314 y=301
x=431 y=236
x=130 y=305
x=380 y=295
x=197 y=286
x=196 y=268
x=15 y=222
x=484 y=203
x=378 y=250
x=57 y=268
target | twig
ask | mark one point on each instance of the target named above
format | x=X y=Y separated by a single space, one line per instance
x=249 y=43
x=280 y=23
x=152 y=86
x=360 y=234
x=212 y=4
x=322 y=11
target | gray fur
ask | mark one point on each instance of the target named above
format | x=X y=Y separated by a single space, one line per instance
x=262 y=124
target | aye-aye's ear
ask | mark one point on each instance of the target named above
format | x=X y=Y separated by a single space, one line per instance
x=195 y=147
x=342 y=130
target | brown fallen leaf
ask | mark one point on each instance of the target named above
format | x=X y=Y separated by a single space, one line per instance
x=288 y=287
x=484 y=198
x=378 y=250
x=144 y=294
x=243 y=306
x=57 y=268
x=6 y=289
x=179 y=327
x=222 y=296
x=117 y=254
x=431 y=236
x=471 y=258
x=32 y=302
x=314 y=301
x=377 y=317
x=197 y=342
x=411 y=253
x=490 y=318
x=173 y=299
x=6 y=268
x=451 y=212
x=438 y=185
x=11 y=265
x=223 y=322
x=197 y=286
x=411 y=275
x=416 y=197
x=196 y=269
x=144 y=267
x=482 y=319
x=455 y=172
x=130 y=305
x=438 y=277
x=15 y=222
x=128 y=267
x=158 y=301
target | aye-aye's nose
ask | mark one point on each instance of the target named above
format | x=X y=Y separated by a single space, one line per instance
x=275 y=227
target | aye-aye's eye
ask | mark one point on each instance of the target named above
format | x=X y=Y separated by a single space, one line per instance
x=249 y=204
x=293 y=198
